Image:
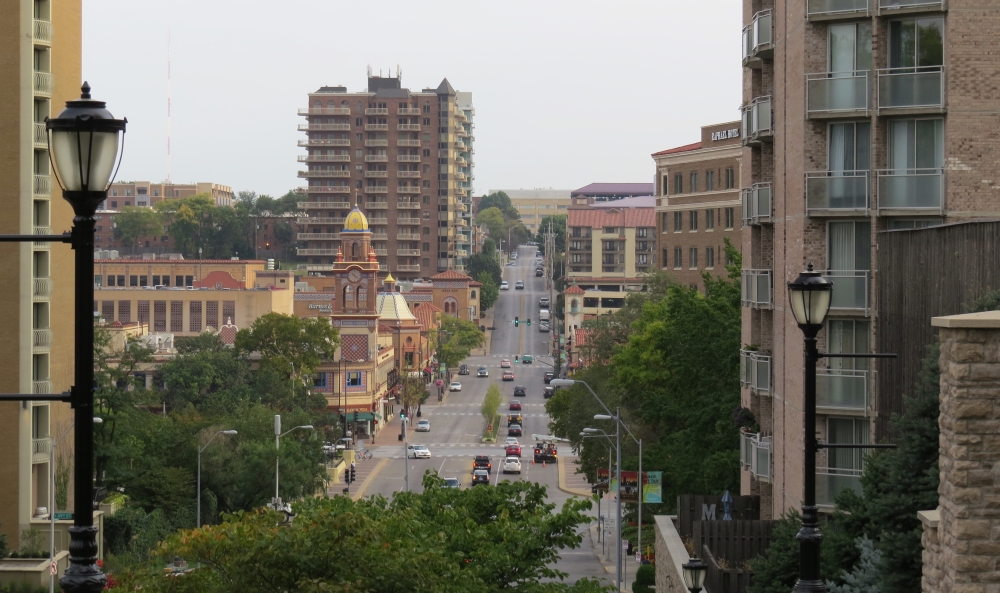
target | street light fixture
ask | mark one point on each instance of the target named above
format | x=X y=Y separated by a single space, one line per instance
x=277 y=457
x=694 y=571
x=809 y=298
x=200 y=449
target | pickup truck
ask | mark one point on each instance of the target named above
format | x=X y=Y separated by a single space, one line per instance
x=482 y=462
x=545 y=451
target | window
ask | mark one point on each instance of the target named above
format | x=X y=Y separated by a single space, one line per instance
x=665 y=185
x=709 y=219
x=849 y=250
x=710 y=257
x=916 y=43
x=143 y=311
x=847 y=336
x=709 y=180
x=894 y=224
x=177 y=316
x=156 y=280
x=678 y=258
x=849 y=151
x=693 y=258
x=641 y=232
x=643 y=259
x=665 y=221
x=678 y=184
x=730 y=218
x=678 y=222
x=143 y=281
x=642 y=246
x=354 y=379
x=846 y=431
x=730 y=178
x=320 y=380
x=133 y=281
x=125 y=311
x=693 y=215
x=111 y=280
x=916 y=144
x=694 y=183
x=189 y=281
x=666 y=257
x=610 y=230
x=114 y=203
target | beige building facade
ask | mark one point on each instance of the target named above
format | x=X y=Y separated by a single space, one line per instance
x=535 y=204
x=859 y=116
x=145 y=193
x=41 y=42
x=197 y=273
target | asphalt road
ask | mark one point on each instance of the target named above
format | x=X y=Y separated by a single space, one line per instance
x=457 y=427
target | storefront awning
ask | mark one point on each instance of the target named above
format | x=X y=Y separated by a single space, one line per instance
x=428 y=370
x=361 y=416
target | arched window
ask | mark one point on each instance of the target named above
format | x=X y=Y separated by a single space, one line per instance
x=345 y=104
x=362 y=294
x=317 y=104
x=573 y=305
x=331 y=104
x=450 y=306
x=472 y=294
x=354 y=251
x=348 y=295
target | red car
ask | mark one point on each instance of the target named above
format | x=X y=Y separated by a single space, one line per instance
x=508 y=376
x=513 y=450
x=515 y=405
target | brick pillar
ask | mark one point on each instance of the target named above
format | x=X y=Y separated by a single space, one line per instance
x=962 y=550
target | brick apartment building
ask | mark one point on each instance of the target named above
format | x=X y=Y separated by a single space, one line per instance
x=859 y=116
x=698 y=203
x=406 y=158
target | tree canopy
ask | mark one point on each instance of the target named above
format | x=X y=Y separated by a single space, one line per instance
x=481 y=263
x=133 y=223
x=456 y=341
x=288 y=343
x=558 y=225
x=489 y=293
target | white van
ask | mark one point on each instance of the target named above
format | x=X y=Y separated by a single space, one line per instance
x=543 y=315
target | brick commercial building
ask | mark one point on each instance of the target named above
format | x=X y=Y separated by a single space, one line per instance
x=405 y=158
x=859 y=116
x=698 y=203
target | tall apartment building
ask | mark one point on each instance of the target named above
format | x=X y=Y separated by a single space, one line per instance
x=145 y=193
x=859 y=116
x=40 y=41
x=698 y=203
x=406 y=158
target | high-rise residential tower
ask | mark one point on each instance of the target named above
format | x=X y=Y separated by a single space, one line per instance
x=40 y=45
x=406 y=158
x=859 y=117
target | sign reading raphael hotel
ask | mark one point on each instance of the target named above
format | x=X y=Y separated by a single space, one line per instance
x=313 y=304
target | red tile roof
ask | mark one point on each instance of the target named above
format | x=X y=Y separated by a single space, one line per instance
x=573 y=290
x=613 y=217
x=450 y=275
x=427 y=315
x=685 y=148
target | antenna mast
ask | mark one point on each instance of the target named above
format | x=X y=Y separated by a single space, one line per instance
x=168 y=104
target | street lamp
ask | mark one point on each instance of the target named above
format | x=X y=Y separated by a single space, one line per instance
x=694 y=571
x=200 y=449
x=809 y=300
x=277 y=457
x=587 y=434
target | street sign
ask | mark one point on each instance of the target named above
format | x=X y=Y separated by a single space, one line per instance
x=624 y=544
x=52 y=568
x=64 y=516
x=638 y=558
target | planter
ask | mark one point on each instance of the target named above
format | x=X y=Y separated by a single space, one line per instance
x=31 y=572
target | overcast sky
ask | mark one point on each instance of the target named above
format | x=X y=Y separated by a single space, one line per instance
x=566 y=92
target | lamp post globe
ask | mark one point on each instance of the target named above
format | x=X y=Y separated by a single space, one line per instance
x=694 y=571
x=809 y=298
x=84 y=143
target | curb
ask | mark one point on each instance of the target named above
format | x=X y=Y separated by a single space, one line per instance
x=567 y=489
x=368 y=480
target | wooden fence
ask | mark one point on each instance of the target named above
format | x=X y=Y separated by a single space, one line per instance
x=727 y=546
x=692 y=507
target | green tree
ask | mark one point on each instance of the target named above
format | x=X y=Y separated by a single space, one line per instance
x=460 y=337
x=865 y=576
x=413 y=392
x=286 y=340
x=499 y=200
x=493 y=220
x=777 y=569
x=132 y=223
x=491 y=403
x=558 y=226
x=489 y=248
x=481 y=263
x=489 y=292
x=189 y=221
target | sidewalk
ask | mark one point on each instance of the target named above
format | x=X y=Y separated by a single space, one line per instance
x=488 y=322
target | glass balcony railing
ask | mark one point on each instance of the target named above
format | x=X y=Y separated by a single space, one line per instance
x=837 y=93
x=836 y=8
x=755 y=454
x=757 y=288
x=889 y=5
x=830 y=481
x=757 y=121
x=757 y=203
x=758 y=38
x=840 y=389
x=851 y=289
x=911 y=88
x=911 y=189
x=755 y=370
x=837 y=190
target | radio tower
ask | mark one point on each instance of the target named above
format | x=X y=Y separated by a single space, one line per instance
x=168 y=104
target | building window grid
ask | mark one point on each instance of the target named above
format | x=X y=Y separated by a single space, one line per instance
x=108 y=311
x=694 y=220
x=709 y=219
x=125 y=311
x=678 y=184
x=143 y=312
x=710 y=257
x=709 y=180
x=228 y=311
x=159 y=316
x=730 y=178
x=694 y=183
x=194 y=317
x=212 y=314
x=678 y=258
x=176 y=316
x=678 y=222
x=693 y=258
x=730 y=218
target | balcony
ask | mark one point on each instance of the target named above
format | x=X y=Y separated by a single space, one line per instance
x=41 y=386
x=380 y=237
x=323 y=206
x=408 y=252
x=911 y=90
x=757 y=122
x=757 y=289
x=381 y=252
x=910 y=190
x=837 y=94
x=461 y=147
x=755 y=371
x=324 y=142
x=830 y=481
x=407 y=142
x=326 y=111
x=376 y=111
x=42 y=288
x=408 y=268
x=408 y=127
x=326 y=189
x=377 y=205
x=319 y=174
x=408 y=174
x=376 y=158
x=377 y=127
x=851 y=290
x=408 y=189
x=376 y=174
x=758 y=39
x=377 y=142
x=829 y=193
x=41 y=339
x=461 y=162
x=840 y=390
x=824 y=10
x=317 y=236
x=324 y=158
x=328 y=252
x=757 y=204
x=40 y=136
x=375 y=219
x=376 y=189
x=40 y=449
x=408 y=205
x=320 y=220
x=408 y=236
x=408 y=111
x=408 y=158
x=755 y=454
x=461 y=253
x=408 y=221
x=311 y=127
x=41 y=230
x=42 y=32
x=42 y=186
x=895 y=7
x=43 y=84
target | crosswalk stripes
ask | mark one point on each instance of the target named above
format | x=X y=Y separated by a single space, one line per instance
x=475 y=414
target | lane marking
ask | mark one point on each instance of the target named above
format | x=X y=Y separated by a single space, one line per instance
x=368 y=480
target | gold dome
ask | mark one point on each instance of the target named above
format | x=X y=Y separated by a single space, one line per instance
x=356 y=222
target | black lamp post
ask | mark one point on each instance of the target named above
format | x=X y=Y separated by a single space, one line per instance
x=694 y=571
x=809 y=298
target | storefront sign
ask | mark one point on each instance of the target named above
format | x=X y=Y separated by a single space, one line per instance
x=726 y=134
x=321 y=307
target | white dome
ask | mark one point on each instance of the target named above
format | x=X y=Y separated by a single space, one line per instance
x=392 y=306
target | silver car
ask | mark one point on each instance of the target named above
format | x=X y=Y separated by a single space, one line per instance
x=423 y=426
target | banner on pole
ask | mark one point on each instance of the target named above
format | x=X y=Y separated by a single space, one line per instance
x=630 y=486
x=652 y=487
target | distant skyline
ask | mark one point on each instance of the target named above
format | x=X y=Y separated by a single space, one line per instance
x=566 y=93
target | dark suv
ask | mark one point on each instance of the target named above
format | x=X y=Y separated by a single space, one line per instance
x=482 y=462
x=520 y=391
x=463 y=370
x=549 y=391
x=549 y=375
x=480 y=477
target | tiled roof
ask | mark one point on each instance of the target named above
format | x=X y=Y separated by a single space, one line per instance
x=427 y=314
x=475 y=283
x=601 y=217
x=574 y=290
x=632 y=189
x=685 y=148
x=450 y=275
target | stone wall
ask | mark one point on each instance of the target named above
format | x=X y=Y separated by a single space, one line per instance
x=962 y=553
x=670 y=555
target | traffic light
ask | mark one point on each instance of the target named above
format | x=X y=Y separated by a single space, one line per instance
x=529 y=322
x=515 y=358
x=352 y=474
x=517 y=322
x=402 y=415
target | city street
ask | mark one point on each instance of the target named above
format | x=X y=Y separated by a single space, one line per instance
x=457 y=427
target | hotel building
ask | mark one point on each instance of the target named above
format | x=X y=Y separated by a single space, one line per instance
x=858 y=116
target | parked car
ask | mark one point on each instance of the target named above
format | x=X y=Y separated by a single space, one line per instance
x=513 y=450
x=520 y=391
x=527 y=359
x=504 y=285
x=514 y=430
x=423 y=425
x=515 y=406
x=480 y=476
x=543 y=327
x=463 y=370
x=549 y=375
x=548 y=392
x=519 y=285
x=483 y=372
x=505 y=363
x=452 y=483
x=543 y=302
x=512 y=465
x=482 y=462
x=507 y=376
x=539 y=272
x=455 y=386
x=418 y=452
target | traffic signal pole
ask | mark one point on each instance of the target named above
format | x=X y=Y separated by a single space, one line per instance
x=406 y=454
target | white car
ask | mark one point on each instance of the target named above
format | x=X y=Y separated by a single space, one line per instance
x=455 y=386
x=423 y=426
x=418 y=451
x=512 y=465
x=504 y=285
x=511 y=441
